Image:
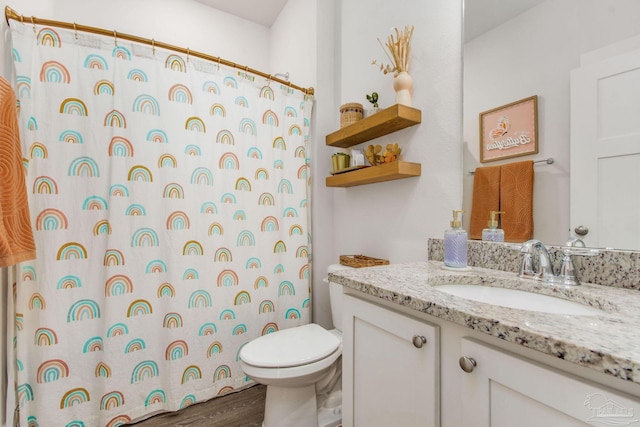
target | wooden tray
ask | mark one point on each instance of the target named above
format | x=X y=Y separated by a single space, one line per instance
x=359 y=261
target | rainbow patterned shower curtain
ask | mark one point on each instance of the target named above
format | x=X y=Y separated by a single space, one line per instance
x=169 y=200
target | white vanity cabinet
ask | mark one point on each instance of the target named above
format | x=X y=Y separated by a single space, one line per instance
x=390 y=368
x=503 y=390
x=387 y=381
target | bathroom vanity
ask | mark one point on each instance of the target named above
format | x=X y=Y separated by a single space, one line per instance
x=417 y=356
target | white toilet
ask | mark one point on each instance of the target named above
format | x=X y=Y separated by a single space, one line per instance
x=302 y=369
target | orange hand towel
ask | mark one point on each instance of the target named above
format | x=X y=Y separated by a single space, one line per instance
x=16 y=235
x=486 y=197
x=516 y=200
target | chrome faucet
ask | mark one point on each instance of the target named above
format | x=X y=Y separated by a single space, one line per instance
x=543 y=269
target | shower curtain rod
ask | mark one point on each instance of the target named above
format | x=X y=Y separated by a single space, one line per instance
x=12 y=14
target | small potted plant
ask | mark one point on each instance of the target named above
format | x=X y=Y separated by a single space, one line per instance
x=373 y=99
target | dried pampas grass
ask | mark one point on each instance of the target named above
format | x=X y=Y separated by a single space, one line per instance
x=397 y=48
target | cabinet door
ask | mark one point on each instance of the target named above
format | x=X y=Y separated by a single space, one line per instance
x=504 y=390
x=387 y=379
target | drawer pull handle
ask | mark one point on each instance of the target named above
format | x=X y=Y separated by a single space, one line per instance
x=467 y=363
x=419 y=341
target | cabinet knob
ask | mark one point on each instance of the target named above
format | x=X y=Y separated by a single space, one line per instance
x=419 y=341
x=467 y=363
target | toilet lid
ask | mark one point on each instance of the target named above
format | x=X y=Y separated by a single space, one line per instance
x=290 y=347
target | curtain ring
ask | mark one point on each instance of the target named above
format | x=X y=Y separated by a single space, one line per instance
x=153 y=46
x=115 y=38
x=34 y=25
x=187 y=54
x=269 y=81
x=75 y=31
x=22 y=19
x=218 y=63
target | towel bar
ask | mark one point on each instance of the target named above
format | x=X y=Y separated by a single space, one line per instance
x=548 y=161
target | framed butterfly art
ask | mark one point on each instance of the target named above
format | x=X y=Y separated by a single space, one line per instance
x=509 y=131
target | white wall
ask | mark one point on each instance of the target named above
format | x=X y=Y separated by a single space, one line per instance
x=344 y=45
x=533 y=54
x=394 y=219
x=367 y=219
x=293 y=42
x=326 y=85
x=303 y=43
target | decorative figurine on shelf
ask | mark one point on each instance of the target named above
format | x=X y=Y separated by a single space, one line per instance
x=398 y=49
x=376 y=156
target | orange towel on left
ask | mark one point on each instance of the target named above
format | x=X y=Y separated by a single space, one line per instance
x=486 y=198
x=16 y=235
x=516 y=200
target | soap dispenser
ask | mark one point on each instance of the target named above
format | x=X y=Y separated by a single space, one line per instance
x=455 y=243
x=493 y=233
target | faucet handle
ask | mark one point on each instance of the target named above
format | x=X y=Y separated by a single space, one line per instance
x=526 y=266
x=567 y=274
x=530 y=245
x=575 y=243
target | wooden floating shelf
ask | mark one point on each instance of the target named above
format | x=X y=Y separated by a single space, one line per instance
x=381 y=123
x=370 y=175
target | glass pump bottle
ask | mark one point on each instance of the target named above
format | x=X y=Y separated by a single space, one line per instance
x=493 y=233
x=455 y=243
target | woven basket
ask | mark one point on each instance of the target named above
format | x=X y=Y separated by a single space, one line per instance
x=350 y=113
x=358 y=261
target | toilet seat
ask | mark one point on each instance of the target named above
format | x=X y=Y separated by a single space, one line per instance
x=292 y=347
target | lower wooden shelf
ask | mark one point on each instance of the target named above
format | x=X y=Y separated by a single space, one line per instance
x=385 y=172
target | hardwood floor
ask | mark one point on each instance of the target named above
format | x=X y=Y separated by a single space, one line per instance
x=242 y=409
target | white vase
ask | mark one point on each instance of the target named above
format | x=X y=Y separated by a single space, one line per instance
x=403 y=85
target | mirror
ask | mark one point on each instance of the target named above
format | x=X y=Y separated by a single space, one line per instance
x=519 y=48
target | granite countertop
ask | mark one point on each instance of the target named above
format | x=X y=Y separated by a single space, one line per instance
x=608 y=342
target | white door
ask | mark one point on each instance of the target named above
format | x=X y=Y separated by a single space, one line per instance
x=390 y=375
x=605 y=151
x=506 y=391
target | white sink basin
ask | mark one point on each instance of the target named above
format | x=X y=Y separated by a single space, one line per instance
x=522 y=300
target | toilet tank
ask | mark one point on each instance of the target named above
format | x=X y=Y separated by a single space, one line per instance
x=335 y=297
